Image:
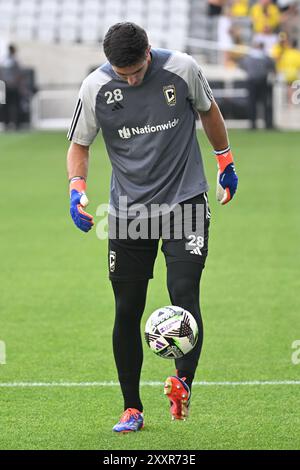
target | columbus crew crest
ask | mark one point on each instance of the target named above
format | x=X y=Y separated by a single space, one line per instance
x=112 y=261
x=170 y=94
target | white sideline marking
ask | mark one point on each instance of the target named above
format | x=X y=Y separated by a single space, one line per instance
x=145 y=384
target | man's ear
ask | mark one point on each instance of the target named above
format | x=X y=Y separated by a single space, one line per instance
x=148 y=51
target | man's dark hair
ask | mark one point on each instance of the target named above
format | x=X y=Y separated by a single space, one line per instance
x=125 y=44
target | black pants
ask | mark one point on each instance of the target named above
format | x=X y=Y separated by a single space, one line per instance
x=131 y=266
x=11 y=111
x=183 y=282
x=214 y=10
x=260 y=93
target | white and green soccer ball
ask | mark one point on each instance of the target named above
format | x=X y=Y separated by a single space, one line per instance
x=171 y=332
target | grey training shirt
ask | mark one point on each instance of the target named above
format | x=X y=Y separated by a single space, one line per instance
x=149 y=130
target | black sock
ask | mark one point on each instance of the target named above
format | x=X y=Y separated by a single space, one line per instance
x=188 y=375
x=130 y=300
x=184 y=289
x=130 y=391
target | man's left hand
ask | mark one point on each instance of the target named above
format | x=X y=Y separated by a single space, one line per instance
x=227 y=179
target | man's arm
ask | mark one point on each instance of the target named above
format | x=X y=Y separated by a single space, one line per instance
x=77 y=161
x=201 y=98
x=77 y=167
x=214 y=127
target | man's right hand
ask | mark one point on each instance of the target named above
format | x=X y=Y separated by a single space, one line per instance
x=78 y=201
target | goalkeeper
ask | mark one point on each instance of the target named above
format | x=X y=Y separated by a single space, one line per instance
x=146 y=102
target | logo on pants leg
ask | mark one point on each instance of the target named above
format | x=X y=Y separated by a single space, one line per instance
x=112 y=261
x=195 y=244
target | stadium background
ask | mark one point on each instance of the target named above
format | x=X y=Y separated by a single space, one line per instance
x=56 y=305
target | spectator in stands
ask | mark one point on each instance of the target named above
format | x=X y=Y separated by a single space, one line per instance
x=239 y=8
x=266 y=20
x=287 y=7
x=259 y=66
x=230 y=37
x=238 y=48
x=290 y=21
x=215 y=7
x=10 y=74
x=287 y=59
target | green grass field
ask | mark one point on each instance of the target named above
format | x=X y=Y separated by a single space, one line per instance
x=56 y=307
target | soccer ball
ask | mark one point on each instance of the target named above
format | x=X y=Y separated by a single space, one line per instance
x=171 y=332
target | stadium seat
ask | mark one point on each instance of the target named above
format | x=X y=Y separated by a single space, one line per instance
x=90 y=29
x=181 y=22
x=156 y=6
x=179 y=7
x=201 y=7
x=90 y=35
x=93 y=7
x=112 y=14
x=68 y=19
x=91 y=26
x=6 y=25
x=175 y=40
x=70 y=5
x=135 y=11
x=90 y=20
x=7 y=7
x=26 y=7
x=67 y=33
x=5 y=21
x=156 y=20
x=46 y=20
x=28 y=21
x=135 y=6
x=135 y=17
x=113 y=8
x=46 y=32
x=26 y=33
x=157 y=38
x=48 y=7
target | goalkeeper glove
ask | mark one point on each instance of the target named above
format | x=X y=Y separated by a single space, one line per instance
x=227 y=179
x=78 y=201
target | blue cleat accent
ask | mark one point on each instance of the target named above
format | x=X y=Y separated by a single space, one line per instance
x=131 y=420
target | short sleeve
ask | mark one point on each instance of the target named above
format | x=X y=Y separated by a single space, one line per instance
x=200 y=92
x=84 y=128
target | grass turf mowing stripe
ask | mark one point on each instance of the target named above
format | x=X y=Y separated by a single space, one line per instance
x=146 y=384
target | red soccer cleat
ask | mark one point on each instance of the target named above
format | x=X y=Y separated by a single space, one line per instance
x=179 y=394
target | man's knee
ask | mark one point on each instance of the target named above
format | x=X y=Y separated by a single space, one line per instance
x=130 y=299
x=183 y=279
x=183 y=290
